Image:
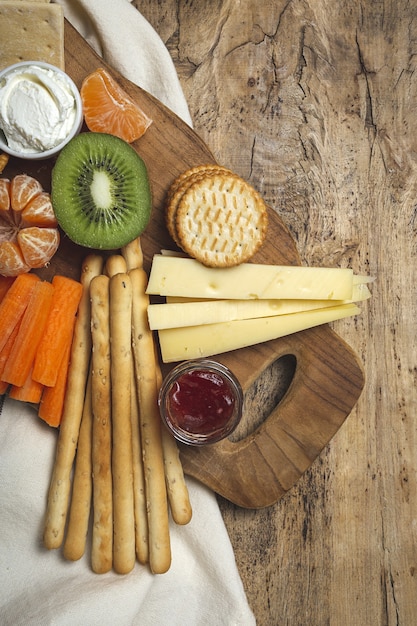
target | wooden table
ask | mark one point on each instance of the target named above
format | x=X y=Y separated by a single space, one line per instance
x=314 y=103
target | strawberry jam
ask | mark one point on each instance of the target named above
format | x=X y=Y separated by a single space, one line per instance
x=201 y=402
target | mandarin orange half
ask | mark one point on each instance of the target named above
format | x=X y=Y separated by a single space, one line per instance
x=29 y=235
x=109 y=109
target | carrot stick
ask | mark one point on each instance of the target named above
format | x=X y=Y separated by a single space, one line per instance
x=33 y=323
x=52 y=400
x=14 y=304
x=3 y=387
x=82 y=488
x=150 y=423
x=30 y=391
x=5 y=283
x=124 y=554
x=102 y=539
x=7 y=348
x=59 y=330
x=59 y=490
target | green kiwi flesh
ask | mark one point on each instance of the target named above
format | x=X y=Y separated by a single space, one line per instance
x=100 y=191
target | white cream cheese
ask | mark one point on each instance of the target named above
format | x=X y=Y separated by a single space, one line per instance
x=37 y=109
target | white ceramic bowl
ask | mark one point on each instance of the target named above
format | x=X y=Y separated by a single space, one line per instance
x=78 y=118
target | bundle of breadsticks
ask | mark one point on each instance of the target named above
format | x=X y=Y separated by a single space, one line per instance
x=114 y=461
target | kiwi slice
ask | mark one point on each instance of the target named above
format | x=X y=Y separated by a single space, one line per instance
x=100 y=191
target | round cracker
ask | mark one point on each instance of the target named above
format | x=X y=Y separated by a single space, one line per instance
x=179 y=186
x=198 y=169
x=221 y=220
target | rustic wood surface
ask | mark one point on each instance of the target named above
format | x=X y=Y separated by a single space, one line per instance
x=314 y=103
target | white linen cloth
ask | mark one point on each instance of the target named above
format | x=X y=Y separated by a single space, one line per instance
x=38 y=587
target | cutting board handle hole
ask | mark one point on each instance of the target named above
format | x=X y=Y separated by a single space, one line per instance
x=266 y=391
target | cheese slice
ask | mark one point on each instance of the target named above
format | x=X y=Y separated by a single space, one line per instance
x=360 y=291
x=178 y=276
x=194 y=312
x=191 y=342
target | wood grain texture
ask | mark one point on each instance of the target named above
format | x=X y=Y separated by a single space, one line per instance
x=313 y=102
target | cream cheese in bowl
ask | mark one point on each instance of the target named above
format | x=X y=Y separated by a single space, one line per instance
x=40 y=110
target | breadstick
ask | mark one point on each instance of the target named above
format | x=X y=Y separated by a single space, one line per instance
x=132 y=253
x=102 y=539
x=179 y=499
x=59 y=490
x=124 y=552
x=82 y=486
x=178 y=496
x=141 y=520
x=145 y=368
x=115 y=264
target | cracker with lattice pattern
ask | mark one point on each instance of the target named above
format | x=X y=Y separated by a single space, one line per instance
x=181 y=184
x=194 y=171
x=221 y=220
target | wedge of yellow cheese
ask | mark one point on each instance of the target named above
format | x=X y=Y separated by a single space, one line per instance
x=197 y=312
x=190 y=342
x=178 y=276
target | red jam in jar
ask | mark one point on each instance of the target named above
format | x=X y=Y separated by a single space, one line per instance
x=201 y=402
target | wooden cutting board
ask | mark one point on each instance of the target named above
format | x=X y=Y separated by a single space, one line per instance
x=257 y=470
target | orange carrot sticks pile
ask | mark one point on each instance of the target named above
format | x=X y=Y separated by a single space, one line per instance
x=36 y=329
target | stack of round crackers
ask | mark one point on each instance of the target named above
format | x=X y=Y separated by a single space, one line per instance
x=215 y=216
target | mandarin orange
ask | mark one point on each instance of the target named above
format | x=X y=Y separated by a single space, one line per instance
x=4 y=194
x=109 y=109
x=23 y=189
x=29 y=235
x=39 y=212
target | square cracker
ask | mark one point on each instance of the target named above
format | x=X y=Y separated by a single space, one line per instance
x=31 y=31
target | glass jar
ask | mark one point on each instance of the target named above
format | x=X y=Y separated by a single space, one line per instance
x=200 y=402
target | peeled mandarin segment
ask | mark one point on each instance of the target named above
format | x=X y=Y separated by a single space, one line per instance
x=23 y=189
x=38 y=245
x=39 y=212
x=4 y=194
x=12 y=262
x=109 y=109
